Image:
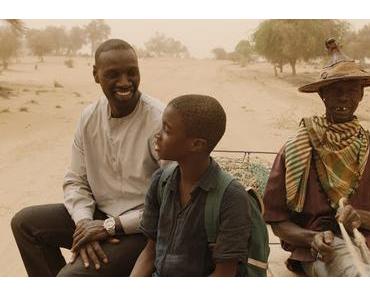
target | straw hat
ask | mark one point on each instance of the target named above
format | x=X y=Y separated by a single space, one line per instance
x=340 y=67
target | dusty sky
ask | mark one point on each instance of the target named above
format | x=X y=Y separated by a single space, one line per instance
x=200 y=36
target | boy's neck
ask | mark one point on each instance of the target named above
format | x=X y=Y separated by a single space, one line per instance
x=192 y=169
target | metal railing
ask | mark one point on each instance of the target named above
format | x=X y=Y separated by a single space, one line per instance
x=245 y=153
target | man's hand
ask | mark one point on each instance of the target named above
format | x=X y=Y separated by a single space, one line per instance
x=88 y=231
x=91 y=252
x=349 y=217
x=86 y=239
x=321 y=246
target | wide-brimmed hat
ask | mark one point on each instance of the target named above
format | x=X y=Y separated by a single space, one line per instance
x=339 y=68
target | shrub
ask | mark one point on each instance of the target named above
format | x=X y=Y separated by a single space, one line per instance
x=253 y=173
x=69 y=63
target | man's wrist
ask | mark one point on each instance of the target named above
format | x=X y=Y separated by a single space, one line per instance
x=118 y=226
x=83 y=220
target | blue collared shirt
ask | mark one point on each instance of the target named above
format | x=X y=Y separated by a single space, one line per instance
x=181 y=240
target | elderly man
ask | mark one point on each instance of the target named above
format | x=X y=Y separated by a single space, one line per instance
x=326 y=161
x=113 y=158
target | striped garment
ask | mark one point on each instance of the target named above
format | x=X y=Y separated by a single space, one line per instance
x=340 y=153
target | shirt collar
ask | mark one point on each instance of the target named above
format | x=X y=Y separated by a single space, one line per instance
x=207 y=182
x=125 y=118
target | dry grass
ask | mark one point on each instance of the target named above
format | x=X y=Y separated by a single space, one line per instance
x=300 y=79
x=5 y=110
x=6 y=92
x=250 y=173
x=58 y=85
x=38 y=92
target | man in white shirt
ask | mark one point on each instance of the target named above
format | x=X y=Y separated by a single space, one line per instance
x=113 y=158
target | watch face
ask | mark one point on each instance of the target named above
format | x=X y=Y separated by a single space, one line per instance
x=109 y=223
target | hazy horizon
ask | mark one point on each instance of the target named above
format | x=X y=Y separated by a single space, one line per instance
x=199 y=36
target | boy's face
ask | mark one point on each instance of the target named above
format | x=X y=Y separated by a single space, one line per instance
x=117 y=72
x=172 y=142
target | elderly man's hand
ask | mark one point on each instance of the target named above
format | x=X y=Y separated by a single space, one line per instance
x=321 y=246
x=349 y=217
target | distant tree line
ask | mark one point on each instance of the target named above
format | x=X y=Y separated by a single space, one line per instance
x=243 y=53
x=357 y=44
x=10 y=42
x=61 y=42
x=288 y=41
x=162 y=46
x=52 y=40
x=58 y=41
x=285 y=42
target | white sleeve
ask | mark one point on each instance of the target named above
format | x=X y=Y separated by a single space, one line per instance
x=78 y=197
x=130 y=220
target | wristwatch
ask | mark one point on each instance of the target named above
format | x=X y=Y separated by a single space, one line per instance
x=110 y=226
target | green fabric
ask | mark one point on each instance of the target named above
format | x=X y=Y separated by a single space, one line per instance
x=213 y=205
x=258 y=247
x=340 y=153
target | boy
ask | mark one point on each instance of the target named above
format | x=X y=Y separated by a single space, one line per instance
x=174 y=224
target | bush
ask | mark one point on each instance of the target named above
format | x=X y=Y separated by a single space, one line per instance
x=253 y=173
x=69 y=63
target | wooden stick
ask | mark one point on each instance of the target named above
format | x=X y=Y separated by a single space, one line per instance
x=351 y=248
x=361 y=243
x=356 y=258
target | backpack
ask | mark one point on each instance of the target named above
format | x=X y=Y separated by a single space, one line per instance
x=258 y=245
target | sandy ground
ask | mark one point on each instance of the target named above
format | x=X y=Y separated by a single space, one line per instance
x=37 y=122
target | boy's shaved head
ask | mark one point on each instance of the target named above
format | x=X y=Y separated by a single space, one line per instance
x=112 y=44
x=203 y=117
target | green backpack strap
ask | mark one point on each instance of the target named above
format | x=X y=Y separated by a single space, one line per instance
x=258 y=246
x=213 y=205
x=257 y=198
x=163 y=185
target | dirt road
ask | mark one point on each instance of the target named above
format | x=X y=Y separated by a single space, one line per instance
x=37 y=122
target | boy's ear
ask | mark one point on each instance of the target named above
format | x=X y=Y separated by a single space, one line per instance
x=200 y=145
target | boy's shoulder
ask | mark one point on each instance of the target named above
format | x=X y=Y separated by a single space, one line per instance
x=235 y=194
x=234 y=187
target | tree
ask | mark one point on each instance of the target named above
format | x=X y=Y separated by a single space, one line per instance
x=76 y=39
x=244 y=51
x=9 y=44
x=288 y=41
x=96 y=32
x=16 y=25
x=356 y=44
x=39 y=43
x=220 y=53
x=58 y=39
x=160 y=45
x=175 y=48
